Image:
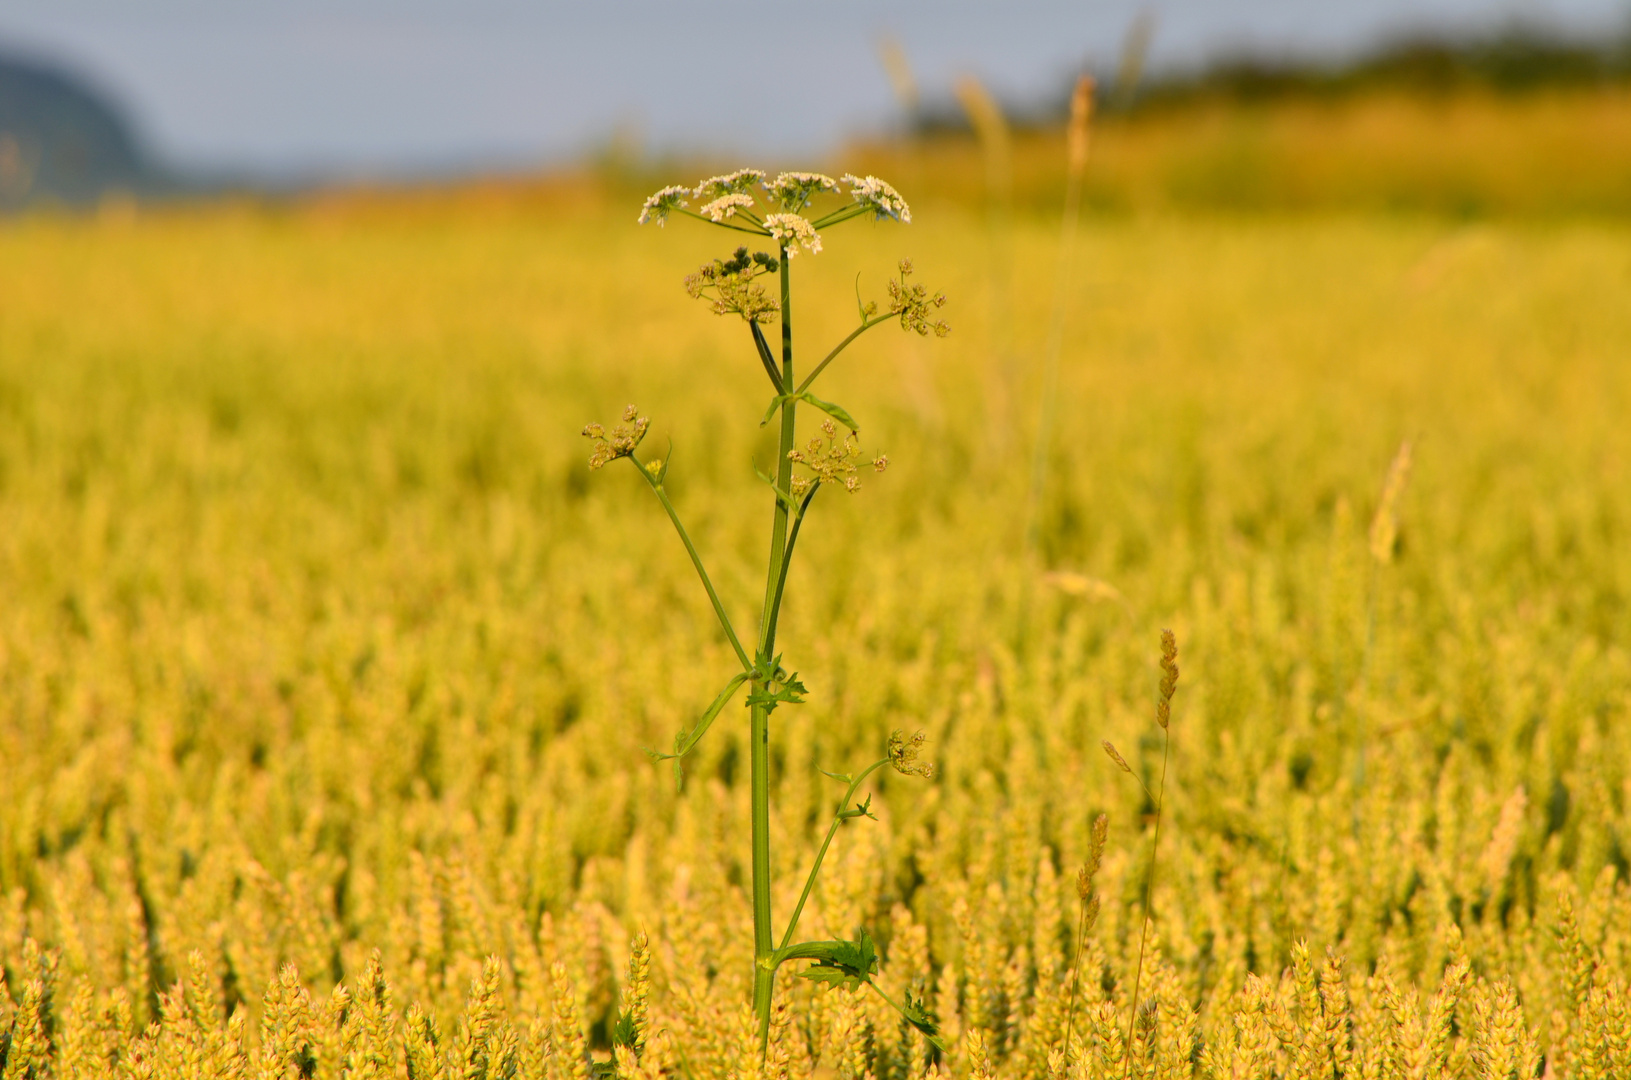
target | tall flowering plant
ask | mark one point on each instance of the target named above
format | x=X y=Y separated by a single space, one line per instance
x=787 y=214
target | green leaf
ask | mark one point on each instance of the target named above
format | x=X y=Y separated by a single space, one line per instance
x=773 y=686
x=624 y=1032
x=686 y=741
x=775 y=403
x=790 y=692
x=840 y=963
x=862 y=809
x=792 y=504
x=837 y=412
x=767 y=358
x=842 y=778
x=917 y=1013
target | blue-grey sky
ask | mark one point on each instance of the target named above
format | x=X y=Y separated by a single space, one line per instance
x=377 y=87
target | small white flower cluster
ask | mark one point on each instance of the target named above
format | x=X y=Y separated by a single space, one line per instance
x=726 y=205
x=794 y=190
x=877 y=196
x=724 y=195
x=736 y=183
x=791 y=230
x=664 y=202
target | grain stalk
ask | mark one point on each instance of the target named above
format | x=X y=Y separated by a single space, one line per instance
x=746 y=201
x=1384 y=541
x=1087 y=915
x=1163 y=717
x=1076 y=141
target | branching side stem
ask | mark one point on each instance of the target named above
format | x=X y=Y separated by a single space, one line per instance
x=839 y=817
x=696 y=561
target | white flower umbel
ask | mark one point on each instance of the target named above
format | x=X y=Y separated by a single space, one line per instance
x=878 y=197
x=736 y=183
x=794 y=190
x=664 y=202
x=726 y=205
x=791 y=230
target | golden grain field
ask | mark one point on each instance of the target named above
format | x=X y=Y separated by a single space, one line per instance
x=326 y=666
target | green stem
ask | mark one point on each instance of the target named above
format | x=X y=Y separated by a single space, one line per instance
x=832 y=830
x=840 y=347
x=787 y=560
x=721 y=224
x=764 y=968
x=841 y=215
x=696 y=561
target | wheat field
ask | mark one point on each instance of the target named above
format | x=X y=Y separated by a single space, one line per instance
x=326 y=666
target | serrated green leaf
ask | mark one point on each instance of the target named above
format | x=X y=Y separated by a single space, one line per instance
x=862 y=809
x=624 y=1032
x=840 y=963
x=920 y=1016
x=832 y=975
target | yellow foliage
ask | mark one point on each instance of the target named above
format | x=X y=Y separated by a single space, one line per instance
x=325 y=673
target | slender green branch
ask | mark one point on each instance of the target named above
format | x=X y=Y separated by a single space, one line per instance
x=721 y=224
x=787 y=560
x=841 y=215
x=832 y=830
x=696 y=561
x=840 y=347
x=769 y=361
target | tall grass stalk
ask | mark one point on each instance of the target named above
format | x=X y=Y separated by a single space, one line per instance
x=1076 y=147
x=1384 y=540
x=1163 y=717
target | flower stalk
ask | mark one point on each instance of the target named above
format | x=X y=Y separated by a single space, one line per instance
x=781 y=214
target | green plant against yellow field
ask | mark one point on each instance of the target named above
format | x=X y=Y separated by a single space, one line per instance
x=789 y=224
x=317 y=641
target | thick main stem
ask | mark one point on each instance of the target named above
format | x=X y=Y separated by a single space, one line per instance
x=764 y=971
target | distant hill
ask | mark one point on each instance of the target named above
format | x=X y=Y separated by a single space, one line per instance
x=61 y=140
x=1515 y=60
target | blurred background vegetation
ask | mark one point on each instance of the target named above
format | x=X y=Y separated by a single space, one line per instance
x=1514 y=121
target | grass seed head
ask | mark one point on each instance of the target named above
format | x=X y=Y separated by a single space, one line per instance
x=1169 y=678
x=1081 y=116
x=1384 y=527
